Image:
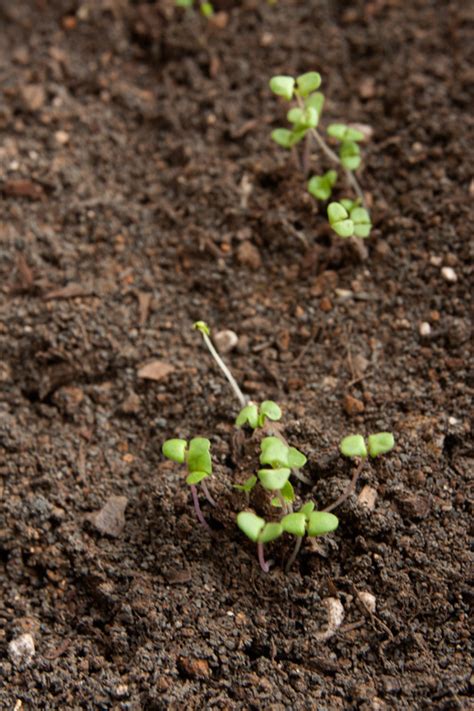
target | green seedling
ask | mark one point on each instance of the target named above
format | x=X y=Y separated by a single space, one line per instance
x=304 y=118
x=282 y=458
x=260 y=532
x=308 y=522
x=247 y=486
x=256 y=415
x=197 y=457
x=356 y=448
x=206 y=8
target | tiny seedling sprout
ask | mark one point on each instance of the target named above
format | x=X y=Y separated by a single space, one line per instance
x=256 y=415
x=206 y=8
x=260 y=532
x=197 y=457
x=304 y=118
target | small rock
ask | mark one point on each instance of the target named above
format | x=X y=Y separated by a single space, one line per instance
x=131 y=404
x=335 y=612
x=367 y=497
x=194 y=668
x=33 y=97
x=61 y=137
x=367 y=88
x=21 y=650
x=368 y=600
x=414 y=506
x=325 y=304
x=156 y=370
x=436 y=261
x=110 y=520
x=353 y=406
x=424 y=329
x=249 y=256
x=226 y=341
x=449 y=274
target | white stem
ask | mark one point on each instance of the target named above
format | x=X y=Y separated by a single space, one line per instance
x=237 y=391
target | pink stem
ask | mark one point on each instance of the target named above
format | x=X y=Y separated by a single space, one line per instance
x=261 y=558
x=197 y=508
x=207 y=494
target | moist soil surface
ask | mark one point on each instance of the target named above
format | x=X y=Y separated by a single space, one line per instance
x=140 y=191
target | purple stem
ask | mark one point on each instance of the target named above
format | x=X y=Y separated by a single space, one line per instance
x=197 y=508
x=261 y=558
x=207 y=494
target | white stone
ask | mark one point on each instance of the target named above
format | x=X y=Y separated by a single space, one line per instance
x=226 y=341
x=368 y=600
x=449 y=274
x=21 y=650
x=425 y=329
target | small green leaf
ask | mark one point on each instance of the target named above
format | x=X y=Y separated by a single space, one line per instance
x=199 y=458
x=320 y=186
x=349 y=153
x=362 y=224
x=296 y=459
x=307 y=508
x=207 y=9
x=175 y=449
x=337 y=130
x=184 y=3
x=294 y=115
x=270 y=531
x=283 y=86
x=250 y=524
x=352 y=134
x=284 y=137
x=203 y=327
x=273 y=452
x=353 y=446
x=321 y=522
x=274 y=479
x=307 y=119
x=196 y=477
x=288 y=492
x=308 y=82
x=315 y=101
x=248 y=415
x=294 y=523
x=380 y=443
x=270 y=409
x=339 y=220
x=349 y=204
x=247 y=485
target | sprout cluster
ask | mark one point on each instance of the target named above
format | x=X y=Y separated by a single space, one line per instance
x=348 y=218
x=206 y=8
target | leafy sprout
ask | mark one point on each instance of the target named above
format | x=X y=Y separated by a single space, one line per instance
x=197 y=458
x=260 y=532
x=256 y=415
x=304 y=117
x=206 y=8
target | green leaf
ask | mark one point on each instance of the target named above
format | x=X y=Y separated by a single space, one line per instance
x=352 y=134
x=337 y=130
x=307 y=508
x=308 y=82
x=321 y=522
x=274 y=479
x=199 y=458
x=353 y=446
x=380 y=443
x=315 y=101
x=184 y=3
x=270 y=532
x=251 y=524
x=284 y=137
x=248 y=414
x=196 y=477
x=207 y=9
x=294 y=115
x=283 y=86
x=270 y=409
x=339 y=220
x=349 y=204
x=308 y=119
x=349 y=153
x=273 y=452
x=175 y=449
x=320 y=186
x=296 y=459
x=294 y=523
x=203 y=327
x=288 y=492
x=247 y=485
x=362 y=224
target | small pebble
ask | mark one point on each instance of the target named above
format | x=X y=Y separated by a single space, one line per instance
x=368 y=600
x=226 y=341
x=61 y=137
x=21 y=650
x=110 y=520
x=449 y=274
x=425 y=329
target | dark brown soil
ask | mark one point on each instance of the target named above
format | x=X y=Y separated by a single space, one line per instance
x=141 y=191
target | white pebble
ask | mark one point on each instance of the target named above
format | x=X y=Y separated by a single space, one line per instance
x=226 y=341
x=21 y=650
x=368 y=600
x=436 y=261
x=449 y=274
x=61 y=137
x=335 y=612
x=425 y=329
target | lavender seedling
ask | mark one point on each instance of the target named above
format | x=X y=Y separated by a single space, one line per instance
x=260 y=532
x=197 y=457
x=304 y=118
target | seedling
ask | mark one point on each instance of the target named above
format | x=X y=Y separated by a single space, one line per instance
x=197 y=457
x=256 y=415
x=308 y=522
x=281 y=458
x=260 y=532
x=206 y=8
x=355 y=447
x=304 y=118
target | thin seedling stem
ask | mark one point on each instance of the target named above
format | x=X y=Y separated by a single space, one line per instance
x=230 y=378
x=345 y=495
x=261 y=558
x=207 y=493
x=197 y=507
x=296 y=550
